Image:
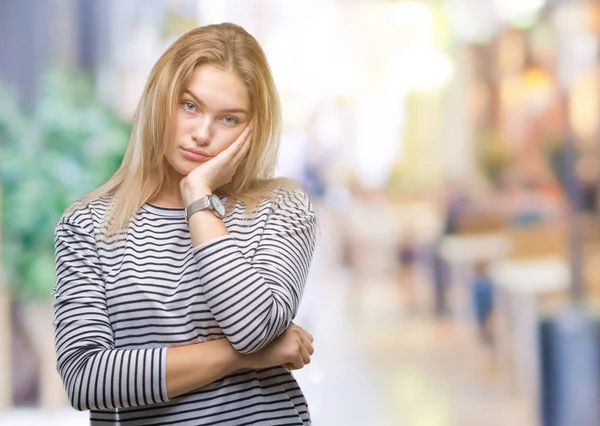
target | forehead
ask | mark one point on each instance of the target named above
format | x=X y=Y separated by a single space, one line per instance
x=218 y=88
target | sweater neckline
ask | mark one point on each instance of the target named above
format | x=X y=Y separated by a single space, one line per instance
x=164 y=211
x=168 y=211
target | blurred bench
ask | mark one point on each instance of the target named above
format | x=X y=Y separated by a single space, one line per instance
x=536 y=273
x=529 y=266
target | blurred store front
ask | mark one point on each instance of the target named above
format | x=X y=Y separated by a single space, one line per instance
x=451 y=147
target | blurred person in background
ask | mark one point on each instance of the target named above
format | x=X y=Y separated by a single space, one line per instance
x=454 y=205
x=179 y=278
x=482 y=296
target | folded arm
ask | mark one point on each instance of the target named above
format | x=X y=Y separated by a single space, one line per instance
x=255 y=301
x=94 y=373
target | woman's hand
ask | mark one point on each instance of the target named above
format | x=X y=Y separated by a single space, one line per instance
x=217 y=171
x=292 y=349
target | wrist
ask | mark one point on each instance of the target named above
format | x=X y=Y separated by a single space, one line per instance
x=243 y=361
x=233 y=360
x=192 y=191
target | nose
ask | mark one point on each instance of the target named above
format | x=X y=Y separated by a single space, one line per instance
x=201 y=133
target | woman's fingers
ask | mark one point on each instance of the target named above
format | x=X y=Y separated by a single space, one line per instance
x=307 y=344
x=302 y=359
x=298 y=362
x=235 y=147
x=231 y=157
x=306 y=333
x=305 y=356
x=242 y=150
x=303 y=348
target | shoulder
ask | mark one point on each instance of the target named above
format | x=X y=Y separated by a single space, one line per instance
x=291 y=208
x=87 y=216
x=292 y=200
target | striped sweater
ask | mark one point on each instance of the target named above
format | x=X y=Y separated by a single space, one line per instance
x=120 y=305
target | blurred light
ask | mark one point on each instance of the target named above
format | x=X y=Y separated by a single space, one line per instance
x=421 y=68
x=318 y=63
x=570 y=18
x=519 y=12
x=317 y=376
x=471 y=20
x=537 y=89
x=576 y=44
x=379 y=120
x=584 y=106
x=577 y=57
x=411 y=14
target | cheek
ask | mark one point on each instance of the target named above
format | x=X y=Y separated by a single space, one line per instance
x=172 y=147
x=181 y=126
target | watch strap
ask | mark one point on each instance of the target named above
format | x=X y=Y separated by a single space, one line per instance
x=196 y=206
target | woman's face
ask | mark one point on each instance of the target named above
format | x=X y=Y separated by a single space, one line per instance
x=211 y=114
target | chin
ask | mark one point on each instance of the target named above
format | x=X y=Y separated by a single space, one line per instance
x=180 y=169
x=184 y=171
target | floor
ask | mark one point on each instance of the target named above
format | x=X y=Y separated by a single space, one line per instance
x=405 y=369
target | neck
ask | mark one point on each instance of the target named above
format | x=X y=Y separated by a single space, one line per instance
x=169 y=194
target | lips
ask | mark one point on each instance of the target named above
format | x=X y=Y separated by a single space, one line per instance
x=194 y=154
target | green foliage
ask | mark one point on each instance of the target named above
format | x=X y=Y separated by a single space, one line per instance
x=69 y=145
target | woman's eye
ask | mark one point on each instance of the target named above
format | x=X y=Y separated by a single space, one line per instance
x=189 y=106
x=230 y=120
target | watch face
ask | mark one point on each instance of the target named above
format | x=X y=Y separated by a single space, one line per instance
x=217 y=206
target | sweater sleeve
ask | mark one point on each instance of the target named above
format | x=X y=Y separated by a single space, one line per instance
x=94 y=373
x=255 y=301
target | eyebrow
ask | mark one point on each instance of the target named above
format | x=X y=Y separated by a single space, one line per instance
x=230 y=111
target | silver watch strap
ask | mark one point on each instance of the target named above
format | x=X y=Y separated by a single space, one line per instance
x=196 y=206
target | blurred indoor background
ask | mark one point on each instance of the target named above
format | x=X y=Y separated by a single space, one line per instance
x=451 y=148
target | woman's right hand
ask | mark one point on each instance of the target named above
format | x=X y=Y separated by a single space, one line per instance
x=292 y=350
x=216 y=172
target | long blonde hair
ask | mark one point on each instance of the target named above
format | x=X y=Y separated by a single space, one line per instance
x=143 y=170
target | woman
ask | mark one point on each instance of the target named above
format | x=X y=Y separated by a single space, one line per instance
x=178 y=279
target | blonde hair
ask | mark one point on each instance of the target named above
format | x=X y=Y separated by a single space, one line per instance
x=143 y=170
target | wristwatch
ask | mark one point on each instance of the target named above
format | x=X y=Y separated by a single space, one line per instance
x=209 y=201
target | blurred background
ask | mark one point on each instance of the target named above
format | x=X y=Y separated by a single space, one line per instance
x=451 y=149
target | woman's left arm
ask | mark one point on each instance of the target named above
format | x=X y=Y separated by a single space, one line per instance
x=255 y=301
